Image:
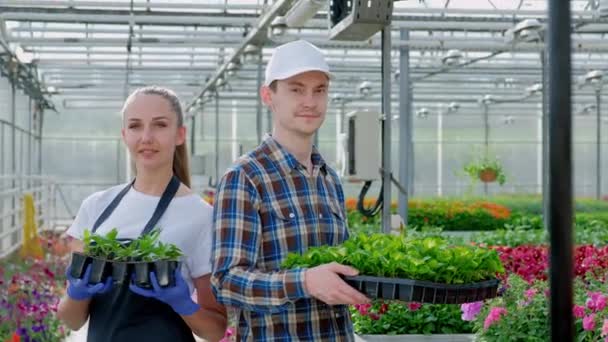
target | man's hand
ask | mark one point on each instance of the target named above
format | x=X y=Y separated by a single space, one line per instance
x=324 y=283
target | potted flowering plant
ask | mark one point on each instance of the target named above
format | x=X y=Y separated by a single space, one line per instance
x=486 y=169
x=522 y=313
x=386 y=320
x=29 y=294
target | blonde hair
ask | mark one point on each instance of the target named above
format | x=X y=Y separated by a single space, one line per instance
x=181 y=164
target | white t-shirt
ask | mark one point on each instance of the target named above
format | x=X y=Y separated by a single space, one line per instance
x=187 y=223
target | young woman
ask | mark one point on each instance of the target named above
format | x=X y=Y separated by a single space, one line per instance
x=159 y=197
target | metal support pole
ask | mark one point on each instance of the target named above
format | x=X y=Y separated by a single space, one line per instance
x=486 y=139
x=40 y=122
x=2 y=154
x=405 y=125
x=386 y=129
x=118 y=148
x=545 y=139
x=258 y=113
x=598 y=148
x=217 y=137
x=560 y=168
x=13 y=156
x=193 y=134
x=30 y=136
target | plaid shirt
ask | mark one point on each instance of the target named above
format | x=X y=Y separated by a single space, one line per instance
x=267 y=205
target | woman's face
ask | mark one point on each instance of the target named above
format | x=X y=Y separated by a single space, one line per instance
x=150 y=131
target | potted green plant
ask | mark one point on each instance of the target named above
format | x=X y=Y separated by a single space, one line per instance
x=486 y=169
x=428 y=269
x=153 y=255
x=108 y=255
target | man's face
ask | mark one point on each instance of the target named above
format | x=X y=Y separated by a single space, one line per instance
x=299 y=103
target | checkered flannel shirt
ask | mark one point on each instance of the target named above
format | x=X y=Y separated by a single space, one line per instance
x=266 y=206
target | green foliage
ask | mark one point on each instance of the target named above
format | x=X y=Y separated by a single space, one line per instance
x=450 y=215
x=585 y=232
x=147 y=247
x=429 y=258
x=400 y=318
x=476 y=166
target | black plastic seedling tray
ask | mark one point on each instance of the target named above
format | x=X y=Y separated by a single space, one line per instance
x=409 y=290
x=121 y=272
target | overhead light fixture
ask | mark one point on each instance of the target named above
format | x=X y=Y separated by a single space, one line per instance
x=594 y=78
x=51 y=90
x=302 y=11
x=250 y=53
x=534 y=89
x=422 y=113
x=453 y=107
x=365 y=88
x=23 y=56
x=220 y=82
x=232 y=68
x=278 y=27
x=525 y=31
x=337 y=97
x=527 y=24
x=487 y=99
x=452 y=57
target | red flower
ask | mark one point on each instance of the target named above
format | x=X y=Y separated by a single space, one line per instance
x=413 y=306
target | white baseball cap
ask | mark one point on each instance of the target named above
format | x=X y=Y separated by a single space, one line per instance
x=295 y=58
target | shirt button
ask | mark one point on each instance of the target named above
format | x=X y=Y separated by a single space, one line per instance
x=292 y=215
x=320 y=215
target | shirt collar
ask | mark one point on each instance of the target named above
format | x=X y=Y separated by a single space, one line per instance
x=287 y=161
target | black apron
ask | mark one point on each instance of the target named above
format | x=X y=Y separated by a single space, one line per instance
x=120 y=315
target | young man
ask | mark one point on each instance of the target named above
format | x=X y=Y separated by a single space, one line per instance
x=282 y=197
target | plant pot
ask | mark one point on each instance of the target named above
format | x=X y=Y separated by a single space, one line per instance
x=100 y=270
x=142 y=274
x=120 y=271
x=409 y=290
x=417 y=338
x=165 y=272
x=78 y=264
x=488 y=175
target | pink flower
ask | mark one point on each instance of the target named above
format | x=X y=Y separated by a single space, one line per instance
x=374 y=316
x=363 y=308
x=596 y=301
x=413 y=306
x=589 y=322
x=530 y=293
x=470 y=310
x=494 y=316
x=605 y=328
x=579 y=311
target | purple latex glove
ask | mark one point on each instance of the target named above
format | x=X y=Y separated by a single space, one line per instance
x=80 y=289
x=178 y=296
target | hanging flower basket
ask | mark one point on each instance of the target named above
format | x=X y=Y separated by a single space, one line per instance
x=485 y=169
x=488 y=175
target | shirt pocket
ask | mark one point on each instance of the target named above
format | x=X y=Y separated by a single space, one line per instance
x=281 y=234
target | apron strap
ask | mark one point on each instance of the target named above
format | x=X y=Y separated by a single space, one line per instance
x=161 y=207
